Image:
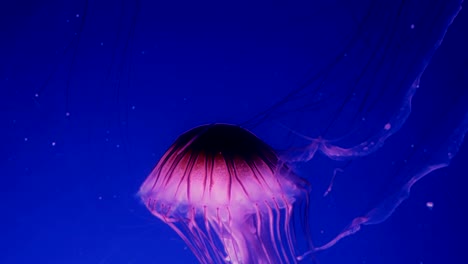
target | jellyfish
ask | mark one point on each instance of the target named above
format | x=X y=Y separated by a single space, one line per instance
x=234 y=199
x=229 y=197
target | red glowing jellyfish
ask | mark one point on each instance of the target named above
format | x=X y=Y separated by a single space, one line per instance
x=229 y=197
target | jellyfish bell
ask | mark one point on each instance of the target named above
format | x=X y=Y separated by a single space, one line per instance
x=230 y=197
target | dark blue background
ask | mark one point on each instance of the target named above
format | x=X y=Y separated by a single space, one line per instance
x=93 y=92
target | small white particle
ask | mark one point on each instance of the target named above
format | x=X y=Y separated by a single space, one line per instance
x=430 y=205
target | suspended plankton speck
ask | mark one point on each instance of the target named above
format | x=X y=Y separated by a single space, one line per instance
x=430 y=205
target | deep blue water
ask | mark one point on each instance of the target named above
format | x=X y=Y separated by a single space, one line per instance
x=94 y=92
